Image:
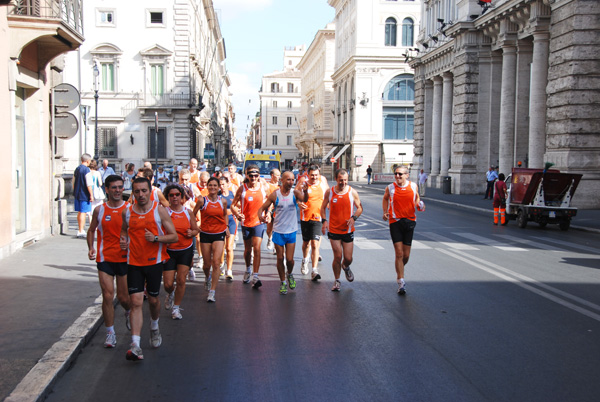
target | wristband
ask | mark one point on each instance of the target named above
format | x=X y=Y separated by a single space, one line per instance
x=355 y=218
x=323 y=220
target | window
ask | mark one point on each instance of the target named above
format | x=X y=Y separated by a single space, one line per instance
x=105 y=18
x=274 y=120
x=274 y=104
x=390 y=32
x=274 y=87
x=289 y=121
x=407 y=32
x=157 y=79
x=290 y=87
x=289 y=140
x=156 y=18
x=400 y=88
x=107 y=71
x=107 y=142
x=289 y=104
x=274 y=140
x=162 y=143
x=398 y=123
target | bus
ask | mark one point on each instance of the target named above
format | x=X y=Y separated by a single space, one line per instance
x=265 y=160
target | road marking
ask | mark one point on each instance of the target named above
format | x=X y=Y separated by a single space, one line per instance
x=447 y=241
x=418 y=245
x=527 y=283
x=489 y=242
x=531 y=243
x=365 y=244
x=568 y=244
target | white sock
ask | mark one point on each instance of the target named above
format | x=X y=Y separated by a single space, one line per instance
x=175 y=307
x=256 y=275
x=110 y=330
x=248 y=269
x=154 y=324
x=135 y=339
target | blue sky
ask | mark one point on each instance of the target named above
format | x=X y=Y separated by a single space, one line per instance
x=256 y=33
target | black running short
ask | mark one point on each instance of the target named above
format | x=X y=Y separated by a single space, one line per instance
x=212 y=237
x=402 y=231
x=346 y=237
x=179 y=257
x=149 y=275
x=311 y=230
x=113 y=268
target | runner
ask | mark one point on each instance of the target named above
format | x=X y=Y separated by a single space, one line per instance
x=310 y=219
x=181 y=253
x=228 y=195
x=146 y=226
x=191 y=192
x=194 y=172
x=235 y=178
x=341 y=199
x=273 y=185
x=248 y=199
x=155 y=194
x=285 y=226
x=399 y=203
x=111 y=261
x=213 y=229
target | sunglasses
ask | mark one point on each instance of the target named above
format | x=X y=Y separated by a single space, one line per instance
x=253 y=174
x=175 y=195
x=399 y=174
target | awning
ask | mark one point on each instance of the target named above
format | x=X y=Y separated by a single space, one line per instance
x=341 y=152
x=329 y=153
x=393 y=152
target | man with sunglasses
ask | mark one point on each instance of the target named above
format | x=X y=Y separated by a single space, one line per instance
x=400 y=200
x=248 y=199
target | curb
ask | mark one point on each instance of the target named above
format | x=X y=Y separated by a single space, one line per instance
x=36 y=385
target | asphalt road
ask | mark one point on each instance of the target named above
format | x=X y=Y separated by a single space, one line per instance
x=492 y=313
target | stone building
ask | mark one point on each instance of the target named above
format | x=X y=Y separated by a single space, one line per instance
x=506 y=81
x=373 y=84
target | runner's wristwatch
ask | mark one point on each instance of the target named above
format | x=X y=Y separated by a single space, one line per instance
x=155 y=239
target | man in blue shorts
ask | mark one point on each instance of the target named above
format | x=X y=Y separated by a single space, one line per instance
x=83 y=194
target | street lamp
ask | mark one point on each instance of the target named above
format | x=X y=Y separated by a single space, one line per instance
x=96 y=75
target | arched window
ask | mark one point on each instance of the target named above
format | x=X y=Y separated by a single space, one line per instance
x=400 y=88
x=408 y=27
x=390 y=32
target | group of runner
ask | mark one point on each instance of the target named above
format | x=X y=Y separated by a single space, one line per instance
x=152 y=238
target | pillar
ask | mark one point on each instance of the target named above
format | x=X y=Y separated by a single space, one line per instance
x=446 y=125
x=436 y=126
x=537 y=100
x=507 y=107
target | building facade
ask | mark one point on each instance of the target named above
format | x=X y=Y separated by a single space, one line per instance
x=161 y=97
x=33 y=37
x=280 y=108
x=508 y=81
x=373 y=84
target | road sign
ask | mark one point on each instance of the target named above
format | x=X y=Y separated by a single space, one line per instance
x=332 y=160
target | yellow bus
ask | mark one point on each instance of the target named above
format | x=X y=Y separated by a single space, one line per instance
x=265 y=160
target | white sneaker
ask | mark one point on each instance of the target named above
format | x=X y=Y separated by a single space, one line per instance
x=222 y=268
x=155 y=338
x=81 y=235
x=111 y=340
x=304 y=269
x=191 y=275
x=207 y=283
x=315 y=276
x=176 y=314
x=247 y=276
x=229 y=276
x=256 y=283
x=169 y=300
x=211 y=297
x=270 y=245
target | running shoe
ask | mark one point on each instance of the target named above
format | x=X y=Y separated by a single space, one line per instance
x=176 y=314
x=169 y=300
x=191 y=275
x=127 y=320
x=270 y=245
x=337 y=286
x=304 y=269
x=256 y=283
x=222 y=268
x=134 y=353
x=81 y=235
x=211 y=297
x=320 y=259
x=155 y=338
x=207 y=283
x=229 y=276
x=111 y=340
x=291 y=281
x=283 y=289
x=315 y=276
x=349 y=274
x=247 y=276
x=402 y=288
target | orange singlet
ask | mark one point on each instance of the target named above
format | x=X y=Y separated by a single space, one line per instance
x=141 y=251
x=272 y=187
x=212 y=220
x=203 y=190
x=235 y=179
x=341 y=208
x=195 y=177
x=109 y=233
x=402 y=201
x=153 y=195
x=316 y=194
x=252 y=200
x=181 y=220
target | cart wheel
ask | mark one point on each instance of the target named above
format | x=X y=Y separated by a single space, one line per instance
x=521 y=219
x=564 y=224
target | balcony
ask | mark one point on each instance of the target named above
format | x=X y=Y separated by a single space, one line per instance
x=168 y=101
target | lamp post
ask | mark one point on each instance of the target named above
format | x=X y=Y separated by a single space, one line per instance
x=96 y=75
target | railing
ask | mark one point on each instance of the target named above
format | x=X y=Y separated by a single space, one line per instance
x=69 y=12
x=181 y=100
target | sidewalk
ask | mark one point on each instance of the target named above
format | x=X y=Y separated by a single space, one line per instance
x=51 y=305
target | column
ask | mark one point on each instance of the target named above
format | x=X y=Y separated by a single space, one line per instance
x=537 y=100
x=436 y=126
x=522 y=101
x=446 y=125
x=427 y=126
x=507 y=107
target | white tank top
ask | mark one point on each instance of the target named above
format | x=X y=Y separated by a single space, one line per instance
x=285 y=220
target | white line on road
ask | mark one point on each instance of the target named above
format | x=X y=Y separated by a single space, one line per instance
x=489 y=242
x=530 y=243
x=447 y=241
x=365 y=244
x=568 y=244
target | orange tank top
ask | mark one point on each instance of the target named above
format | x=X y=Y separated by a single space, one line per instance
x=153 y=195
x=141 y=251
x=252 y=200
x=181 y=221
x=235 y=180
x=203 y=190
x=341 y=208
x=194 y=177
x=316 y=194
x=212 y=219
x=109 y=233
x=402 y=201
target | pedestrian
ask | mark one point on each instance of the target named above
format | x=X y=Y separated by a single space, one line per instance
x=310 y=219
x=147 y=228
x=491 y=176
x=162 y=178
x=285 y=226
x=248 y=199
x=399 y=203
x=273 y=184
x=94 y=179
x=213 y=229
x=111 y=260
x=83 y=192
x=500 y=200
x=344 y=210
x=105 y=171
x=369 y=173
x=128 y=176
x=203 y=166
x=422 y=182
x=227 y=193
x=181 y=253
